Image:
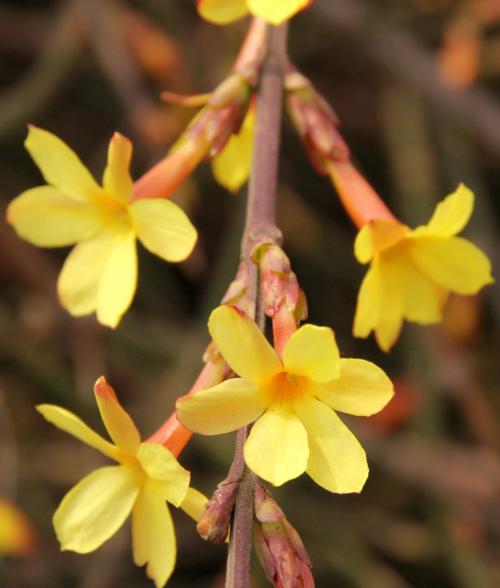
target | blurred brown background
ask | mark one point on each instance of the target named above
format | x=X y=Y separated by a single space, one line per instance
x=416 y=84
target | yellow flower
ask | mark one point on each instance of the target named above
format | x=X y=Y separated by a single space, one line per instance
x=413 y=271
x=292 y=400
x=273 y=11
x=100 y=273
x=231 y=167
x=147 y=477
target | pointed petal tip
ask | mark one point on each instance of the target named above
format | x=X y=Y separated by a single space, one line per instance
x=103 y=389
x=385 y=346
x=41 y=408
x=110 y=324
x=117 y=137
x=31 y=127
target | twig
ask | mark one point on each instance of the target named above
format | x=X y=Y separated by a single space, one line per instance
x=260 y=226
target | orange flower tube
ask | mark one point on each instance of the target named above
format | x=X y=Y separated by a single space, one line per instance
x=360 y=200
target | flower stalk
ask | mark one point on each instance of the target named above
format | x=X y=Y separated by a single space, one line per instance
x=172 y=434
x=260 y=227
x=211 y=129
x=317 y=125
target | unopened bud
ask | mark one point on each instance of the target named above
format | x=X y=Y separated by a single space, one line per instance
x=216 y=518
x=279 y=546
x=279 y=284
x=315 y=122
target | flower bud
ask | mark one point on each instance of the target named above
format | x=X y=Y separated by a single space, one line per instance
x=279 y=546
x=214 y=523
x=278 y=282
x=315 y=122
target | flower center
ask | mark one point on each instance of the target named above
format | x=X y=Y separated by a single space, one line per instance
x=286 y=388
x=111 y=208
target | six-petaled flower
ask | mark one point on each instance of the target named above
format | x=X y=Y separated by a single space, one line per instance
x=293 y=401
x=147 y=477
x=412 y=272
x=100 y=273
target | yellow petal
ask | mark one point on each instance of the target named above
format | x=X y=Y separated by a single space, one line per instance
x=222 y=11
x=452 y=262
x=95 y=508
x=231 y=167
x=276 y=449
x=312 y=351
x=79 y=280
x=68 y=422
x=117 y=180
x=118 y=281
x=153 y=536
x=421 y=299
x=379 y=305
x=390 y=318
x=337 y=462
x=223 y=408
x=451 y=215
x=47 y=218
x=376 y=236
x=60 y=165
x=194 y=504
x=388 y=330
x=163 y=228
x=100 y=274
x=362 y=388
x=369 y=302
x=242 y=344
x=117 y=421
x=276 y=11
x=160 y=465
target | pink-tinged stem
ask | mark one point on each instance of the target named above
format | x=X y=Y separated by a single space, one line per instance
x=360 y=200
x=260 y=224
x=163 y=179
x=251 y=51
x=172 y=434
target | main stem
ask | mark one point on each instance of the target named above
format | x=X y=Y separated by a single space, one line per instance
x=260 y=227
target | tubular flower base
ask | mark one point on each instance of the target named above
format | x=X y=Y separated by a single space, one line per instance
x=293 y=402
x=413 y=271
x=147 y=477
x=226 y=11
x=100 y=274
